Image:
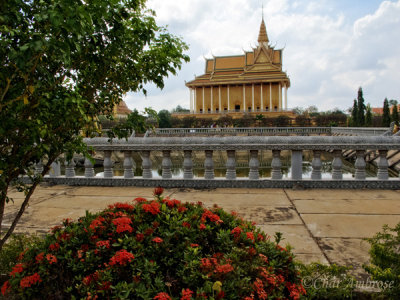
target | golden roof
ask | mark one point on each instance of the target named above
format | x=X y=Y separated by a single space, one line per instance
x=262 y=36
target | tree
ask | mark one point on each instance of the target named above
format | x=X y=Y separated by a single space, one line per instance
x=368 y=116
x=180 y=109
x=386 y=114
x=164 y=119
x=360 y=108
x=394 y=117
x=61 y=66
x=354 y=114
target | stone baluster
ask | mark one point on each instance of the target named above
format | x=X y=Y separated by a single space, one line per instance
x=254 y=164
x=70 y=168
x=187 y=164
x=38 y=168
x=337 y=165
x=55 y=170
x=107 y=164
x=383 y=166
x=231 y=165
x=89 y=170
x=276 y=165
x=129 y=165
x=146 y=164
x=316 y=165
x=209 y=165
x=360 y=165
x=297 y=164
x=166 y=164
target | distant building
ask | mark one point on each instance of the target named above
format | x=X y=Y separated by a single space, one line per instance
x=251 y=83
x=379 y=110
x=121 y=111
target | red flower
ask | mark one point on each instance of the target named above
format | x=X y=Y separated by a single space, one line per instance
x=250 y=236
x=123 y=224
x=221 y=295
x=182 y=209
x=123 y=206
x=186 y=224
x=153 y=207
x=105 y=285
x=157 y=240
x=236 y=231
x=172 y=203
x=202 y=227
x=122 y=257
x=194 y=245
x=101 y=244
x=97 y=223
x=39 y=257
x=51 y=259
x=18 y=268
x=209 y=215
x=28 y=281
x=139 y=237
x=162 y=296
x=5 y=288
x=252 y=251
x=140 y=199
x=54 y=247
x=260 y=237
x=158 y=191
x=186 y=294
x=224 y=269
x=149 y=231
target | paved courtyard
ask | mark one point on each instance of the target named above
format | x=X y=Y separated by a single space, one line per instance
x=322 y=225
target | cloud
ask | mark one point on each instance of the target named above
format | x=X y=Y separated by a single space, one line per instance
x=328 y=51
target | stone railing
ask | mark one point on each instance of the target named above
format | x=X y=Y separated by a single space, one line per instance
x=302 y=131
x=277 y=110
x=242 y=131
x=252 y=144
x=359 y=131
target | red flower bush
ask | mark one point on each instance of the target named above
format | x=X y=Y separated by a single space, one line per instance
x=161 y=249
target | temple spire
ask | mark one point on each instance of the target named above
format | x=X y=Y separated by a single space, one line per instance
x=262 y=36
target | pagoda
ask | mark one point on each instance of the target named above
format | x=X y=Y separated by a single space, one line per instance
x=250 y=83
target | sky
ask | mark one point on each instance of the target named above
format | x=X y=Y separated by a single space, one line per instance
x=331 y=47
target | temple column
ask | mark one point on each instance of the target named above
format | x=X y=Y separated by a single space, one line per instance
x=244 y=97
x=203 y=101
x=195 y=101
x=212 y=100
x=228 y=99
x=191 y=100
x=270 y=96
x=286 y=97
x=219 y=97
x=262 y=98
x=280 y=97
x=252 y=97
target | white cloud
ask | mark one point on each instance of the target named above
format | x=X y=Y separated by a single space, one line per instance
x=328 y=54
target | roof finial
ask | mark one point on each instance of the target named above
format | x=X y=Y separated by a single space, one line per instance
x=262 y=11
x=262 y=36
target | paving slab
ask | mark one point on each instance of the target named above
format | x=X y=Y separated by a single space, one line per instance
x=347 y=225
x=381 y=207
x=112 y=192
x=347 y=252
x=336 y=194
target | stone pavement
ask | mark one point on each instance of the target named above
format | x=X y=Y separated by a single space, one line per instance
x=322 y=225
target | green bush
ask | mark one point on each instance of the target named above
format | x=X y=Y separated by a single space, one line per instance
x=160 y=249
x=385 y=260
x=326 y=282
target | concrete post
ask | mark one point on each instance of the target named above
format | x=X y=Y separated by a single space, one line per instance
x=276 y=165
x=70 y=168
x=107 y=164
x=166 y=164
x=337 y=165
x=129 y=165
x=209 y=165
x=187 y=164
x=316 y=165
x=360 y=165
x=146 y=164
x=231 y=165
x=254 y=164
x=383 y=166
x=89 y=170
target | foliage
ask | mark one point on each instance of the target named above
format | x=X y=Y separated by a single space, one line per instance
x=331 y=118
x=354 y=115
x=164 y=117
x=282 y=121
x=386 y=114
x=64 y=63
x=385 y=260
x=360 y=108
x=11 y=250
x=225 y=121
x=246 y=121
x=160 y=249
x=326 y=281
x=368 y=116
x=180 y=109
x=302 y=120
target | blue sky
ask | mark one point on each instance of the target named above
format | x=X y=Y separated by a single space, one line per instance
x=331 y=47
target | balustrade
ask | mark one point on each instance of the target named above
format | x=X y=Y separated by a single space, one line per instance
x=230 y=145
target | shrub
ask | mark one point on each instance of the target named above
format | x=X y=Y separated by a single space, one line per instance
x=385 y=260
x=159 y=249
